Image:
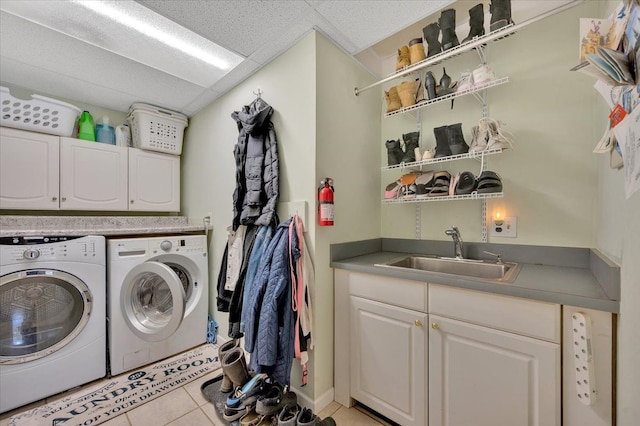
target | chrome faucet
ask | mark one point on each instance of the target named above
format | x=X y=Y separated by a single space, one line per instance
x=457 y=241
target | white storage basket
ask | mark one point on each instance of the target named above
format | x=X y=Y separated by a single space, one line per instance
x=156 y=129
x=38 y=114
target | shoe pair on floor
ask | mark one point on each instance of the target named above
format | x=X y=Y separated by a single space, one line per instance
x=294 y=415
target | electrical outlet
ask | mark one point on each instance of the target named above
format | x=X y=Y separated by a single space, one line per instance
x=506 y=227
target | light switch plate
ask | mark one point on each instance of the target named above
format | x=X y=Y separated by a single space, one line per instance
x=506 y=227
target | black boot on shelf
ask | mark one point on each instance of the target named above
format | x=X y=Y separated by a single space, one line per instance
x=410 y=145
x=394 y=152
x=448 y=27
x=500 y=14
x=445 y=87
x=455 y=138
x=442 y=142
x=476 y=22
x=431 y=33
x=430 y=85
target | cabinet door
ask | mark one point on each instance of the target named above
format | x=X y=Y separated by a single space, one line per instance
x=388 y=360
x=154 y=181
x=29 y=170
x=93 y=176
x=484 y=377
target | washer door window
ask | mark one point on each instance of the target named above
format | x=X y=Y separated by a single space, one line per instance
x=152 y=301
x=41 y=311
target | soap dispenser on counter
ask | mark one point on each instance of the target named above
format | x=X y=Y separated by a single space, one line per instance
x=105 y=132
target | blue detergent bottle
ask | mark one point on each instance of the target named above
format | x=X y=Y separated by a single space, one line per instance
x=105 y=132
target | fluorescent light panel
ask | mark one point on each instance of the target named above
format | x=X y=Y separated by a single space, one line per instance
x=131 y=30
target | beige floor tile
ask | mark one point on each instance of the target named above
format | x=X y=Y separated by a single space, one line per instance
x=329 y=410
x=193 y=388
x=163 y=410
x=193 y=418
x=210 y=411
x=352 y=417
x=121 y=420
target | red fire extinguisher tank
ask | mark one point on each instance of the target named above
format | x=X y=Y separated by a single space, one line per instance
x=325 y=202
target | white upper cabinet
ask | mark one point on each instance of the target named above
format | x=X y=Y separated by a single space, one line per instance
x=46 y=172
x=28 y=170
x=93 y=176
x=154 y=181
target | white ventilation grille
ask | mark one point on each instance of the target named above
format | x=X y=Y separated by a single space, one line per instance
x=583 y=358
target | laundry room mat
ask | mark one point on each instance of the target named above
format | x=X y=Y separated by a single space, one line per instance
x=109 y=398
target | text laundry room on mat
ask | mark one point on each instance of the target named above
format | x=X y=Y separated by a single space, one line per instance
x=107 y=399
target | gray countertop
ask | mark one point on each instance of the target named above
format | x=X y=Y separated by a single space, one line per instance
x=574 y=284
x=15 y=225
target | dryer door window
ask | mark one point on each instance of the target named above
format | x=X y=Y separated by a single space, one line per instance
x=40 y=312
x=153 y=301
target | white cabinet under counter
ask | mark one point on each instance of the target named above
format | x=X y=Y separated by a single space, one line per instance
x=436 y=354
x=45 y=172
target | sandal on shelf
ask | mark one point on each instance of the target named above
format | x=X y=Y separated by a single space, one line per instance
x=453 y=183
x=489 y=182
x=421 y=183
x=392 y=190
x=439 y=185
x=466 y=184
x=407 y=181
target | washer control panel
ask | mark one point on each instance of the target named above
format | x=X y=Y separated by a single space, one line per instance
x=43 y=248
x=184 y=245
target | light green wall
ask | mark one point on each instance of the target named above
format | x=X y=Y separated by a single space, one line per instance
x=550 y=176
x=347 y=132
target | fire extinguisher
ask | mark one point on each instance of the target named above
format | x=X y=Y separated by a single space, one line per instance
x=325 y=202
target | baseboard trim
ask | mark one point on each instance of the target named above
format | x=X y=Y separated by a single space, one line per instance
x=318 y=404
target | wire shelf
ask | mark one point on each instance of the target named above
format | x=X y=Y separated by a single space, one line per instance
x=438 y=58
x=478 y=88
x=472 y=155
x=424 y=199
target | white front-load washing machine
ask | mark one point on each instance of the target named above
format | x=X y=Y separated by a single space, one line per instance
x=53 y=332
x=158 y=294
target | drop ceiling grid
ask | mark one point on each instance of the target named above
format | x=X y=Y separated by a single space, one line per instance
x=243 y=26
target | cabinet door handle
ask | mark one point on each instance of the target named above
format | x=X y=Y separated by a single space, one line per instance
x=435 y=325
x=131 y=201
x=54 y=198
x=418 y=323
x=64 y=198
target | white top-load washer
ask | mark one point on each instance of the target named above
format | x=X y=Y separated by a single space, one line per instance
x=158 y=298
x=52 y=316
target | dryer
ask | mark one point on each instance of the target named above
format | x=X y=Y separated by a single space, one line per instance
x=52 y=316
x=158 y=298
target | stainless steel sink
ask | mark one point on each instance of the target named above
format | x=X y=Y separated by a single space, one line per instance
x=481 y=269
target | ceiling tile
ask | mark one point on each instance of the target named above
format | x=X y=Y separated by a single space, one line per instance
x=243 y=26
x=365 y=25
x=57 y=54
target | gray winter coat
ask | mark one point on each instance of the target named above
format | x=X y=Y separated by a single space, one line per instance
x=256 y=155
